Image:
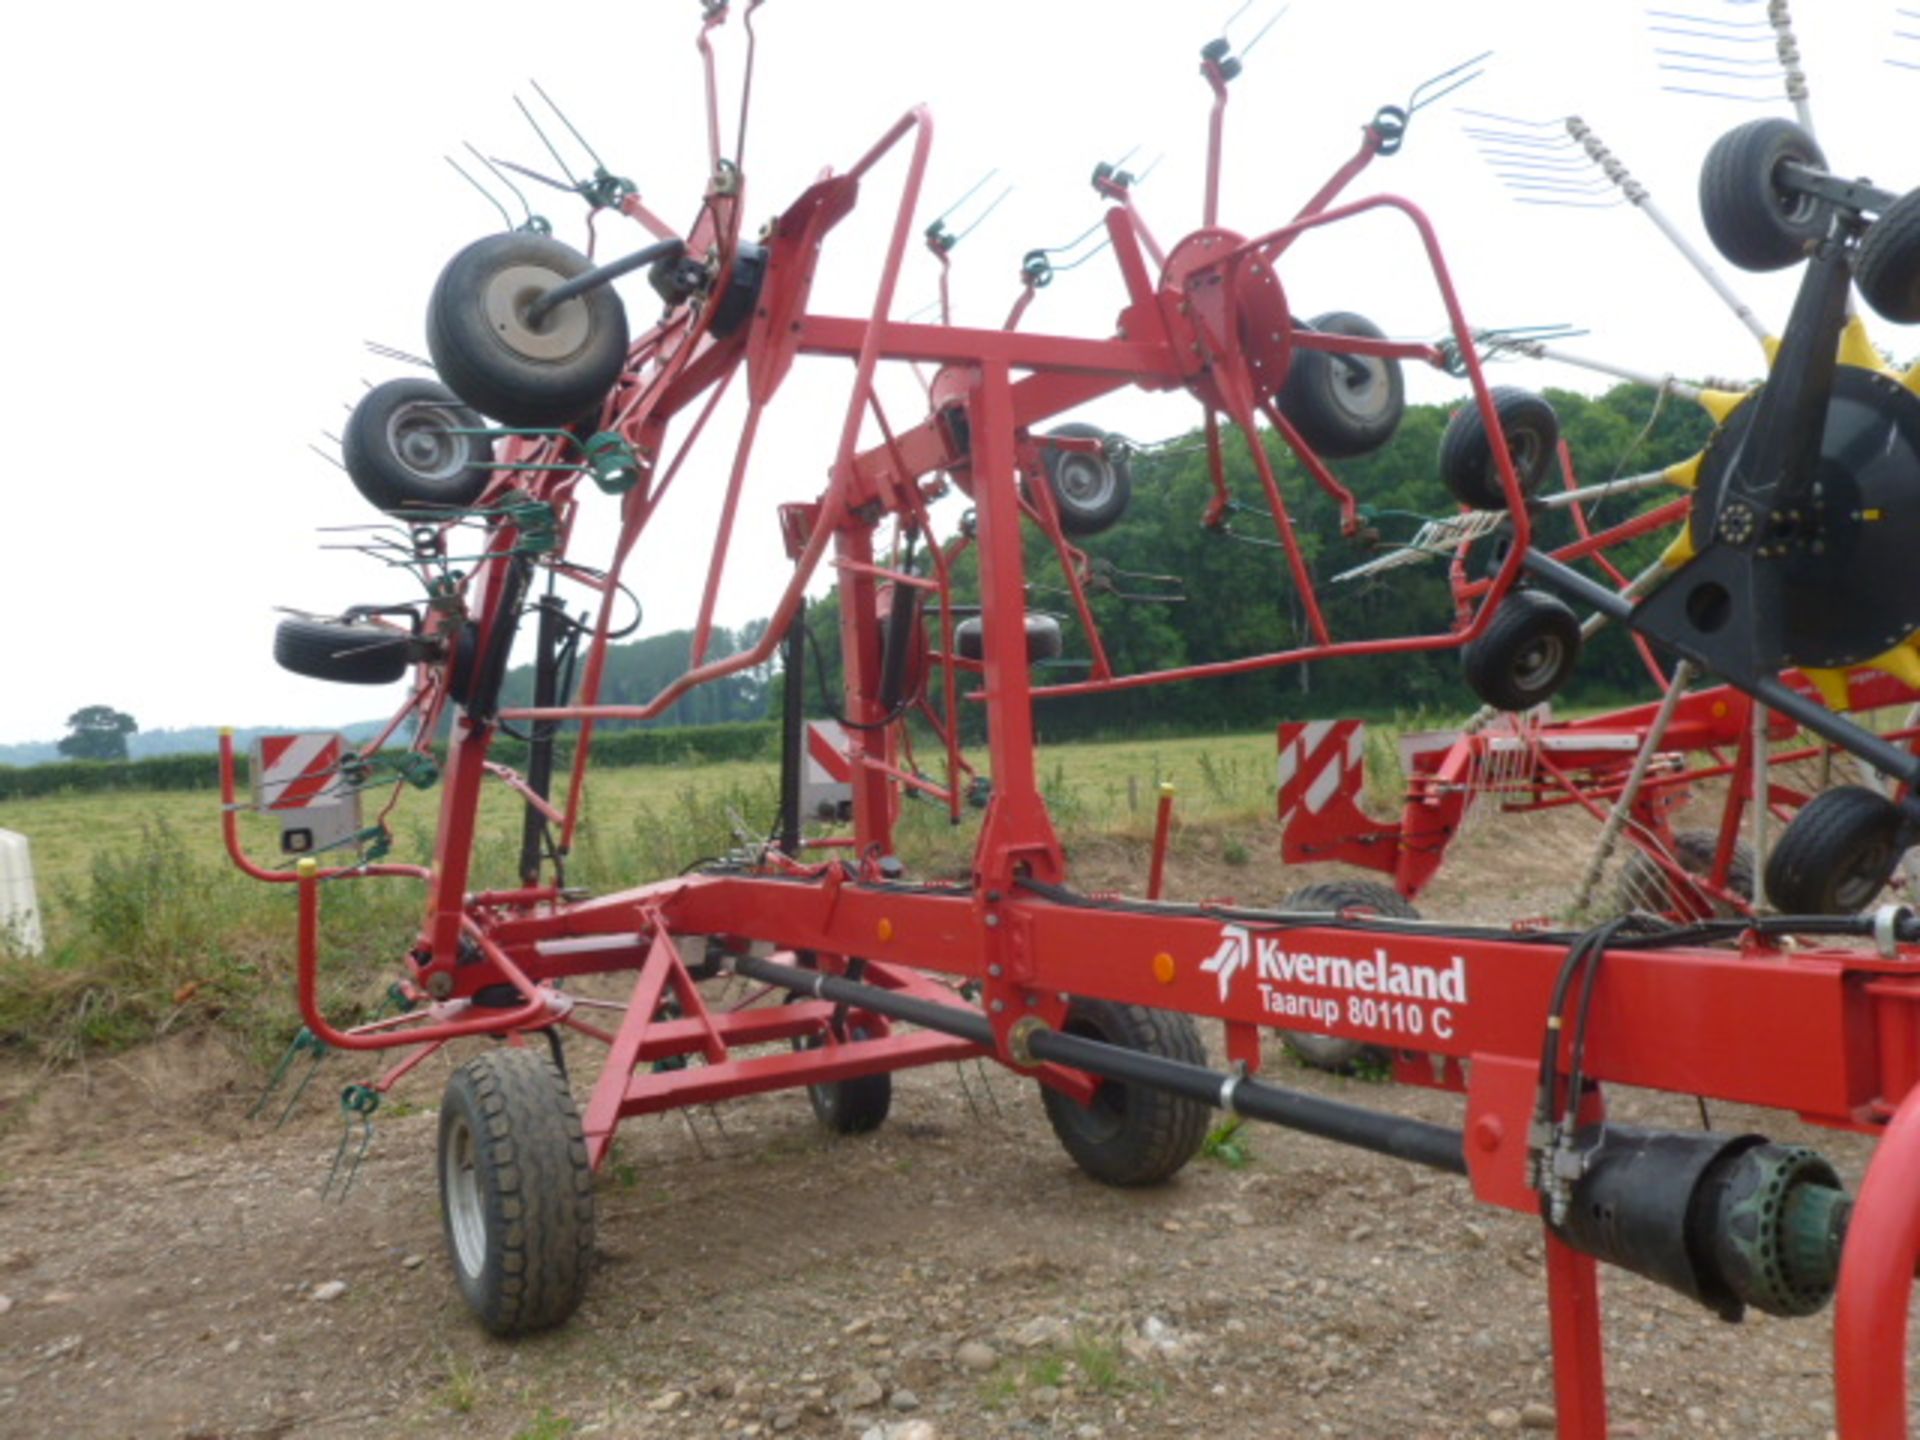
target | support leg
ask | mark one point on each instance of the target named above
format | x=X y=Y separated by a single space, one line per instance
x=1579 y=1367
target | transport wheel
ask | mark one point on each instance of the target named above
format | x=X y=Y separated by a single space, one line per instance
x=849 y=1107
x=1354 y=897
x=404 y=451
x=1836 y=854
x=1643 y=885
x=516 y=1196
x=349 y=653
x=1467 y=465
x=503 y=362
x=1343 y=405
x=1091 y=492
x=1755 y=223
x=1887 y=269
x=1526 y=654
x=1130 y=1134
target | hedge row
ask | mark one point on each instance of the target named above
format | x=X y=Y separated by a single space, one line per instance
x=691 y=744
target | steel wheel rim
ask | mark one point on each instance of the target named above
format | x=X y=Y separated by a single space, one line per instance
x=422 y=436
x=1084 y=482
x=1861 y=880
x=1535 y=666
x=460 y=1192
x=1795 y=208
x=1523 y=449
x=1360 y=386
x=508 y=296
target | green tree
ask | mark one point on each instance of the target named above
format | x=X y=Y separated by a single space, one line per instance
x=98 y=732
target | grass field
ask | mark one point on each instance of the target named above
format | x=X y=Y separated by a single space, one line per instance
x=149 y=927
x=1102 y=785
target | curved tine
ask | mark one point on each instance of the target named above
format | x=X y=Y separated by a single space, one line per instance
x=528 y=116
x=486 y=194
x=519 y=169
x=1438 y=87
x=572 y=129
x=500 y=175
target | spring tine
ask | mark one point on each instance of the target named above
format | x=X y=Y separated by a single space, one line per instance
x=528 y=115
x=1911 y=36
x=1260 y=34
x=572 y=129
x=960 y=1074
x=500 y=175
x=1228 y=22
x=986 y=1084
x=391 y=352
x=971 y=191
x=313 y=1066
x=333 y=460
x=992 y=206
x=1079 y=260
x=1509 y=119
x=505 y=218
x=694 y=1131
x=1152 y=165
x=1713 y=59
x=531 y=174
x=1439 y=86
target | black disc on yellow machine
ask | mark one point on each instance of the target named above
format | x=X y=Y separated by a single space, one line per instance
x=1848 y=540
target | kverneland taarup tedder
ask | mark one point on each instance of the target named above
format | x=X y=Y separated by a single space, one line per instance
x=1096 y=998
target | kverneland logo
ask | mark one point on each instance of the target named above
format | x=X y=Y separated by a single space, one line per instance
x=1377 y=974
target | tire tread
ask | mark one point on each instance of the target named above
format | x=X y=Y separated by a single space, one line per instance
x=542 y=1193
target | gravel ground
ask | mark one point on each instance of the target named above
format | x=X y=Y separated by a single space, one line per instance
x=169 y=1270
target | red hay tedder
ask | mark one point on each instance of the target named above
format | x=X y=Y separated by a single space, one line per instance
x=1096 y=998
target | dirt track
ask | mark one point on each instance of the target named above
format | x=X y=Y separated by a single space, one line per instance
x=762 y=1279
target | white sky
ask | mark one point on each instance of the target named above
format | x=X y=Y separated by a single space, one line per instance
x=213 y=205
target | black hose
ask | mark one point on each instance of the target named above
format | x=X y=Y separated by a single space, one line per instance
x=595 y=278
x=1436 y=1146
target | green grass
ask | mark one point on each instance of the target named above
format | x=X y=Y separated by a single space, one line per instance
x=546 y=1425
x=150 y=928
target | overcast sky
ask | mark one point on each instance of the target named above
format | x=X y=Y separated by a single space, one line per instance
x=213 y=206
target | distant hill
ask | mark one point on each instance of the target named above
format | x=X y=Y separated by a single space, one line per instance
x=193 y=740
x=635 y=673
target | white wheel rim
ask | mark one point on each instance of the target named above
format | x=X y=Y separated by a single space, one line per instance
x=1083 y=481
x=561 y=333
x=1361 y=391
x=460 y=1187
x=421 y=437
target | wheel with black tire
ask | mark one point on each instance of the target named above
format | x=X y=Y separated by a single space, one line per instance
x=1130 y=1134
x=516 y=1194
x=1090 y=491
x=1644 y=885
x=1752 y=218
x=412 y=449
x=1887 y=267
x=1467 y=465
x=1525 y=654
x=496 y=355
x=849 y=1107
x=351 y=653
x=1835 y=856
x=1343 y=405
x=1342 y=897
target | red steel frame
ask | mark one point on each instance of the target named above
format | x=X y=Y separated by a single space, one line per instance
x=1585 y=763
x=1830 y=1034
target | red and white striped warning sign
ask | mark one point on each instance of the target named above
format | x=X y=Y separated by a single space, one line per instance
x=296 y=772
x=826 y=774
x=827 y=760
x=1319 y=760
